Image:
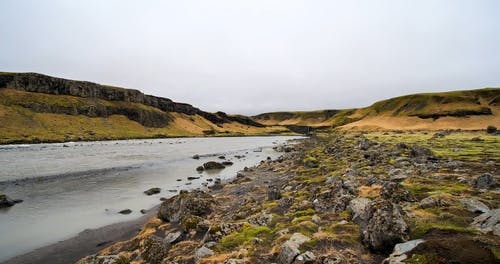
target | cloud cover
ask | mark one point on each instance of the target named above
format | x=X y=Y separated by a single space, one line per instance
x=258 y=55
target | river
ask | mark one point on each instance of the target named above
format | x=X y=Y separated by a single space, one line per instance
x=69 y=187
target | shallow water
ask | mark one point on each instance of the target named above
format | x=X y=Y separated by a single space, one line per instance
x=70 y=187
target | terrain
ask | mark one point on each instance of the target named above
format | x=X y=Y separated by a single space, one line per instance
x=470 y=109
x=338 y=197
x=39 y=108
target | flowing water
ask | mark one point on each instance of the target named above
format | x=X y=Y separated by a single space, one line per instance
x=69 y=187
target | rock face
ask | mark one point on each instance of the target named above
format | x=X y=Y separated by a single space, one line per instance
x=197 y=203
x=385 y=226
x=39 y=83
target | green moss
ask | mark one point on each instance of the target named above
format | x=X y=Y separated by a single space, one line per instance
x=244 y=236
x=422 y=259
x=301 y=219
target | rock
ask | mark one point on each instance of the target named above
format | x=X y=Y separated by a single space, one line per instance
x=105 y=259
x=125 y=211
x=173 y=237
x=196 y=203
x=227 y=163
x=358 y=207
x=261 y=220
x=474 y=206
x=400 y=250
x=222 y=157
x=385 y=226
x=316 y=219
x=432 y=202
x=200 y=168
x=491 y=129
x=154 y=250
x=5 y=201
x=143 y=211
x=290 y=249
x=395 y=192
x=488 y=222
x=485 y=181
x=233 y=261
x=203 y=252
x=196 y=157
x=476 y=139
x=190 y=178
x=152 y=191
x=273 y=193
x=365 y=144
x=397 y=175
x=420 y=153
x=213 y=165
x=306 y=257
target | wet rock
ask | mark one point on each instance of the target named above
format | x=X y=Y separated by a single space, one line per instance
x=152 y=191
x=203 y=252
x=5 y=201
x=213 y=165
x=488 y=222
x=196 y=203
x=143 y=211
x=485 y=181
x=200 y=168
x=474 y=206
x=154 y=250
x=227 y=163
x=385 y=226
x=491 y=130
x=395 y=192
x=290 y=249
x=400 y=250
x=190 y=178
x=196 y=157
x=273 y=193
x=125 y=211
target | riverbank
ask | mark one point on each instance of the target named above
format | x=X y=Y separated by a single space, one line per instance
x=338 y=198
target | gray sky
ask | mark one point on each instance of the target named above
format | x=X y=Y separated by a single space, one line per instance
x=257 y=56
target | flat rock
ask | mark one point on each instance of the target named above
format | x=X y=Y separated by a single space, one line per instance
x=488 y=222
x=474 y=206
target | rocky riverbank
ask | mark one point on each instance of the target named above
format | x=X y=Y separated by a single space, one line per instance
x=392 y=197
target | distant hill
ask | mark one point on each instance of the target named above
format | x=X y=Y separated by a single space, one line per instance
x=41 y=108
x=470 y=109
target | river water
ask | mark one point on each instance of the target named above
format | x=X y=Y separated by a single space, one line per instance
x=69 y=187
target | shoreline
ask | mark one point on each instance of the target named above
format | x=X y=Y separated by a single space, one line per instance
x=87 y=242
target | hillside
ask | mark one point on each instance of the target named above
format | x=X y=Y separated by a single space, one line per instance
x=471 y=109
x=40 y=108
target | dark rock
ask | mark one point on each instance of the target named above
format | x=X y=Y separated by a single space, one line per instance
x=491 y=130
x=196 y=157
x=213 y=165
x=152 y=191
x=227 y=163
x=5 y=201
x=125 y=211
x=199 y=169
x=197 y=203
x=395 y=192
x=385 y=226
x=222 y=157
x=154 y=250
x=485 y=181
x=190 y=178
x=143 y=211
x=273 y=193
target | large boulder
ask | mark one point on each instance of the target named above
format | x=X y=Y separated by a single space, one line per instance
x=385 y=226
x=358 y=207
x=197 y=203
x=474 y=206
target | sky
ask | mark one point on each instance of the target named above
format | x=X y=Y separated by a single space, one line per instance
x=254 y=56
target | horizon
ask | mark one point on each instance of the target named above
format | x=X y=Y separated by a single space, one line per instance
x=258 y=57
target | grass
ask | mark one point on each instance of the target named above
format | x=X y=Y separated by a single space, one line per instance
x=244 y=236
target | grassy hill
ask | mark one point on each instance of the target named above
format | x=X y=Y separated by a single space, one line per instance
x=39 y=108
x=470 y=109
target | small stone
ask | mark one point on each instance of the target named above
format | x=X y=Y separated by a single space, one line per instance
x=152 y=191
x=173 y=237
x=203 y=252
x=125 y=211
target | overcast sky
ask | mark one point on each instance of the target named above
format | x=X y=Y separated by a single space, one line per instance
x=258 y=56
